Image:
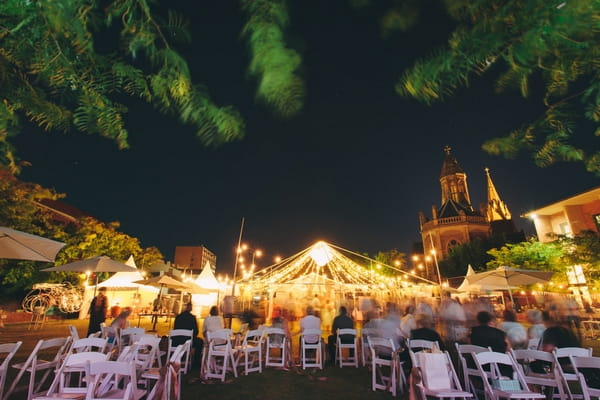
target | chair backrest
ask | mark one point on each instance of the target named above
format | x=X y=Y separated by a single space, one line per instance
x=275 y=337
x=90 y=344
x=381 y=347
x=586 y=367
x=465 y=352
x=346 y=334
x=179 y=336
x=253 y=338
x=131 y=335
x=573 y=351
x=62 y=382
x=114 y=377
x=7 y=351
x=147 y=351
x=489 y=367
x=421 y=344
x=219 y=337
x=74 y=332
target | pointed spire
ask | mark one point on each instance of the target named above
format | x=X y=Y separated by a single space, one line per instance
x=496 y=209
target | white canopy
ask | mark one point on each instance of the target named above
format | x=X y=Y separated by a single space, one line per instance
x=206 y=279
x=125 y=280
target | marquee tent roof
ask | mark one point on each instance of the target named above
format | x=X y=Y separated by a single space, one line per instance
x=324 y=264
x=125 y=280
x=206 y=279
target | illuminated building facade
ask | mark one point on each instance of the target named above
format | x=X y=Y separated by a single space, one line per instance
x=456 y=221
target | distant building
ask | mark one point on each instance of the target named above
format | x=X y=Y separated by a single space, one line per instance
x=568 y=217
x=456 y=221
x=191 y=259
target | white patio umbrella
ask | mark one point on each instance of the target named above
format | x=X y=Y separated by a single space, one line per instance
x=506 y=277
x=95 y=264
x=17 y=245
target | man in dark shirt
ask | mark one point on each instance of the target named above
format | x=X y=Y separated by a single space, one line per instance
x=342 y=321
x=187 y=320
x=486 y=335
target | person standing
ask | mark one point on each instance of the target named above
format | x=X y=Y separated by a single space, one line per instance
x=98 y=310
x=187 y=320
x=341 y=321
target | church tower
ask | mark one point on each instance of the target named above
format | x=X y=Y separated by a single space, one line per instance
x=455 y=221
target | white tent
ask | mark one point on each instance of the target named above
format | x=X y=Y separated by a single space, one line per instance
x=206 y=280
x=122 y=291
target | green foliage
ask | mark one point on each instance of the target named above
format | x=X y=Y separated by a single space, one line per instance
x=528 y=255
x=552 y=41
x=54 y=74
x=273 y=64
x=20 y=209
x=582 y=249
x=391 y=258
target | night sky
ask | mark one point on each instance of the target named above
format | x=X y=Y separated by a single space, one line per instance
x=354 y=168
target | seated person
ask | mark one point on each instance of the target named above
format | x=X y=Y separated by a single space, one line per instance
x=425 y=330
x=341 y=321
x=310 y=321
x=213 y=322
x=187 y=320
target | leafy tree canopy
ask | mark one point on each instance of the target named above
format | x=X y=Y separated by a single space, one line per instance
x=20 y=209
x=554 y=42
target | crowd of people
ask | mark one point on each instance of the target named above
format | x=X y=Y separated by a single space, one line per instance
x=476 y=321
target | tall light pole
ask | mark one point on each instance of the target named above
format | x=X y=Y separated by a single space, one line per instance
x=237 y=251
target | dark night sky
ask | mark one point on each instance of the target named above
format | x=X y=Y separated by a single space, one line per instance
x=354 y=168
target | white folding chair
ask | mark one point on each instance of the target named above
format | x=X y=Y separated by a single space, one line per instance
x=251 y=350
x=113 y=380
x=307 y=347
x=384 y=364
x=129 y=336
x=7 y=351
x=74 y=332
x=69 y=381
x=585 y=366
x=540 y=371
x=276 y=347
x=182 y=336
x=169 y=378
x=35 y=364
x=220 y=355
x=567 y=353
x=347 y=340
x=438 y=376
x=97 y=344
x=496 y=385
x=147 y=353
x=465 y=356
x=365 y=351
x=417 y=345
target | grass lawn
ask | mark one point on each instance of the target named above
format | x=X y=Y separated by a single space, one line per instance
x=331 y=383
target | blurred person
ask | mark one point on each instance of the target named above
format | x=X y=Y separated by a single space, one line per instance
x=187 y=320
x=555 y=335
x=279 y=320
x=453 y=320
x=213 y=322
x=537 y=327
x=487 y=335
x=515 y=331
x=98 y=311
x=425 y=330
x=341 y=321
x=407 y=322
x=327 y=316
x=122 y=321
